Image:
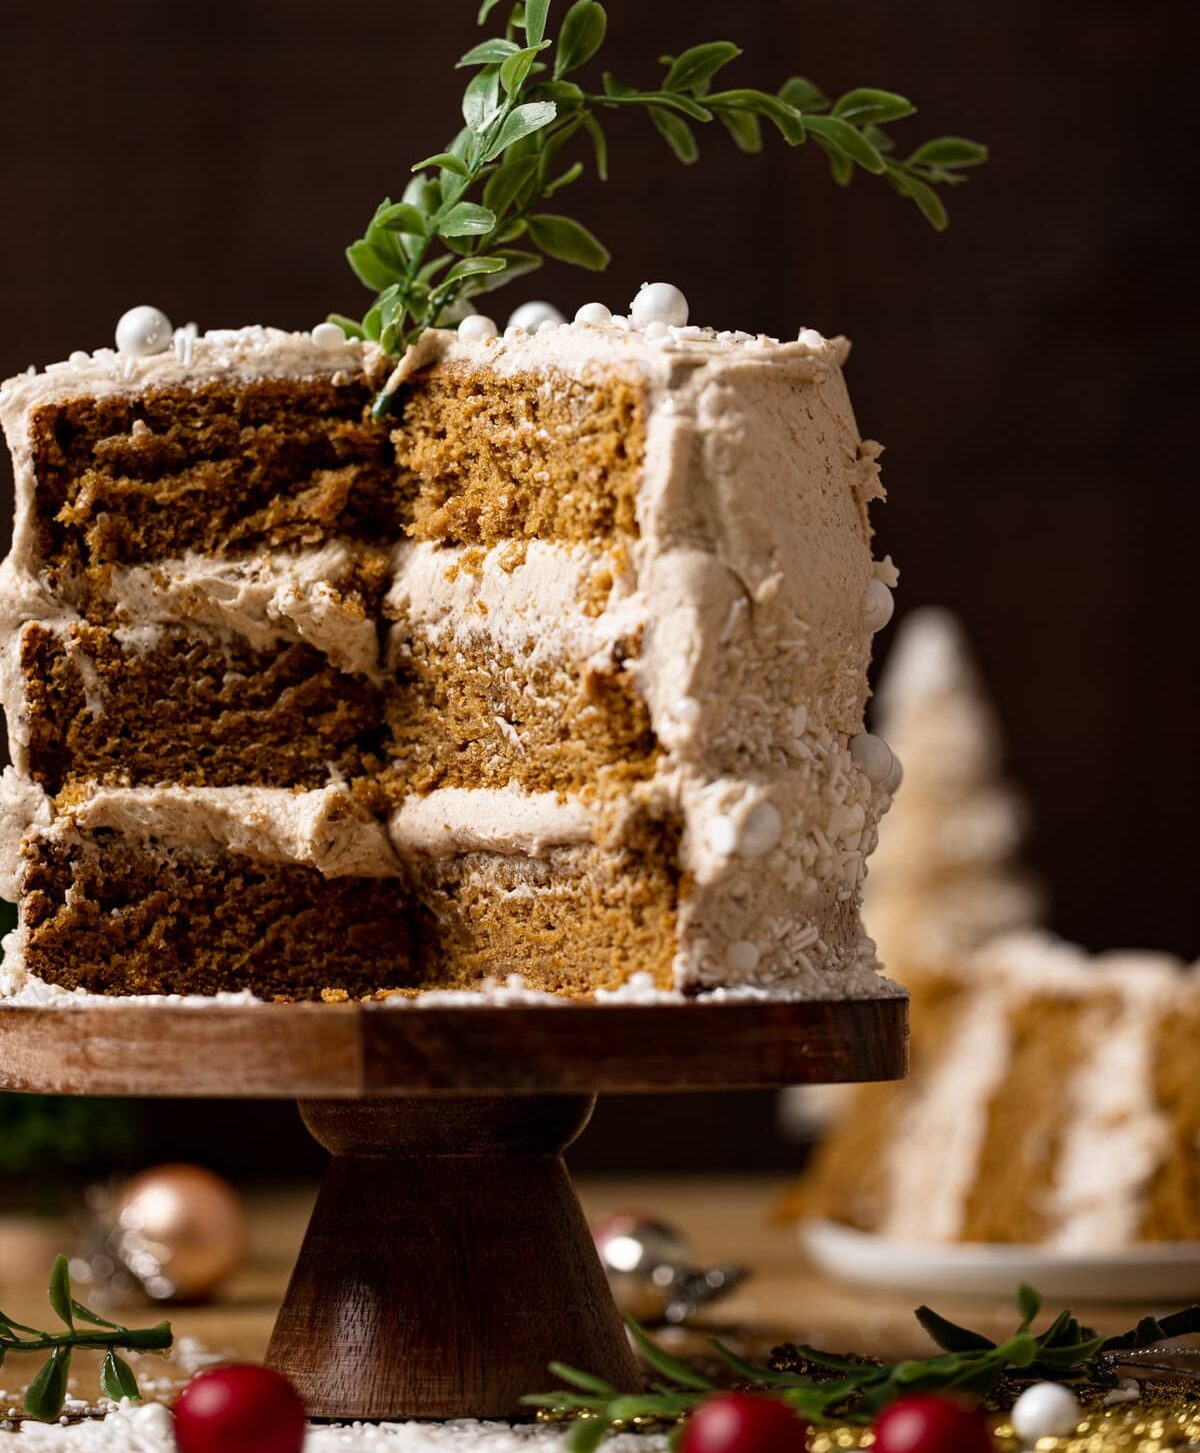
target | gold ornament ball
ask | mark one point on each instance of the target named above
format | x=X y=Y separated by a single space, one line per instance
x=180 y=1230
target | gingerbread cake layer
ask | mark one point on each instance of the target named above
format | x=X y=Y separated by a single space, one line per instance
x=111 y=915
x=189 y=709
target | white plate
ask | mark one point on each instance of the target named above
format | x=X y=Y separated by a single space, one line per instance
x=1167 y=1271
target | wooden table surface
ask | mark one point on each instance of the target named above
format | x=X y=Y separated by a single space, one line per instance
x=726 y=1219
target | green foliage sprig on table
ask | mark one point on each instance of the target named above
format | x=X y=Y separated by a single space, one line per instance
x=477 y=215
x=48 y=1391
x=854 y=1389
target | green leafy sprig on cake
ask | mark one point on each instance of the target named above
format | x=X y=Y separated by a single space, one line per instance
x=485 y=211
x=820 y=1387
x=48 y=1391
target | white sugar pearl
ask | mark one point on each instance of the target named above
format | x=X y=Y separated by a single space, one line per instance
x=741 y=957
x=894 y=777
x=657 y=330
x=143 y=331
x=1045 y=1410
x=760 y=831
x=594 y=313
x=328 y=337
x=477 y=328
x=810 y=338
x=878 y=606
x=686 y=710
x=874 y=756
x=531 y=316
x=723 y=836
x=659 y=303
x=548 y=325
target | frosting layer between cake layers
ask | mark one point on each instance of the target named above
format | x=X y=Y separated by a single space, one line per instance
x=554 y=673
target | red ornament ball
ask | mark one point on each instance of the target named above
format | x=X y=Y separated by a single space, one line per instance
x=926 y=1423
x=239 y=1409
x=742 y=1422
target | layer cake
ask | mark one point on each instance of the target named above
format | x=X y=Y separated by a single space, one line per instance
x=558 y=669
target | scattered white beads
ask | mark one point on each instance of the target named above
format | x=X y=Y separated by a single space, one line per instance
x=595 y=314
x=659 y=303
x=656 y=331
x=874 y=756
x=1045 y=1410
x=548 y=325
x=810 y=338
x=741 y=957
x=878 y=606
x=894 y=777
x=328 y=337
x=143 y=331
x=477 y=328
x=530 y=316
x=760 y=831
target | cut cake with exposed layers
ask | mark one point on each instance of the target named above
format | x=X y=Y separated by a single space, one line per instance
x=553 y=671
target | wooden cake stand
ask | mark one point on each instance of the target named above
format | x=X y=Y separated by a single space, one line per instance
x=447 y=1260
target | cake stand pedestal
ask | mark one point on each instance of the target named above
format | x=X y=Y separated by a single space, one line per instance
x=447 y=1260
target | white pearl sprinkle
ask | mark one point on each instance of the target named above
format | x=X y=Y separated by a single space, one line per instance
x=874 y=756
x=1045 y=1410
x=512 y=331
x=143 y=331
x=477 y=328
x=878 y=605
x=657 y=330
x=531 y=316
x=328 y=337
x=760 y=831
x=594 y=313
x=548 y=325
x=79 y=358
x=741 y=957
x=723 y=836
x=619 y=320
x=894 y=777
x=686 y=710
x=810 y=338
x=659 y=302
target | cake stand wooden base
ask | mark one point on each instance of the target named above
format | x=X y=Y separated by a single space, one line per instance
x=447 y=1260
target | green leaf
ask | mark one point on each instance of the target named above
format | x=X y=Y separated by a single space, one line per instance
x=677 y=134
x=536 y=12
x=745 y=128
x=48 y=1390
x=748 y=1371
x=516 y=264
x=117 y=1380
x=568 y=241
x=488 y=52
x=447 y=161
x=60 y=1291
x=697 y=66
x=924 y=196
x=865 y=106
x=7 y=1321
x=566 y=94
x=401 y=217
x=473 y=266
x=85 y=1314
x=507 y=181
x=581 y=36
x=485 y=10
x=572 y=174
x=615 y=88
x=515 y=70
x=675 y=101
x=466 y=219
x=799 y=91
x=599 y=144
x=587 y=1434
x=848 y=141
x=949 y=1335
x=662 y=1362
x=481 y=99
x=372 y=324
x=1019 y=1351
x=841 y=168
x=583 y=1380
x=949 y=152
x=370 y=269
x=789 y=121
x=1029 y=1304
x=521 y=121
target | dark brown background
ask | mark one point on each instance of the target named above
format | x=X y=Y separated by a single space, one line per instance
x=1031 y=371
